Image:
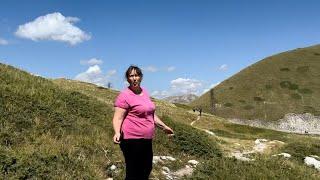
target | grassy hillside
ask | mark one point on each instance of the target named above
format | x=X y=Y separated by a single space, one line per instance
x=284 y=83
x=62 y=130
x=47 y=132
x=50 y=132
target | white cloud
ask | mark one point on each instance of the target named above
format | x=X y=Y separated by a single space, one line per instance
x=160 y=94
x=94 y=70
x=181 y=86
x=91 y=62
x=3 y=42
x=150 y=69
x=55 y=27
x=111 y=72
x=186 y=86
x=95 y=75
x=171 y=68
x=223 y=67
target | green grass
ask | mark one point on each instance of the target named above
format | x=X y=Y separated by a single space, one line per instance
x=184 y=106
x=62 y=129
x=188 y=140
x=45 y=129
x=300 y=148
x=262 y=168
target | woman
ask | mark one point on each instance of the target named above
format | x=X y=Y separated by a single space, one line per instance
x=134 y=125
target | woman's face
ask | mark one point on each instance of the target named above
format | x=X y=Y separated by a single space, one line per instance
x=134 y=79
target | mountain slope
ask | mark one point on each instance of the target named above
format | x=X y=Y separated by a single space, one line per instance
x=62 y=129
x=44 y=129
x=284 y=83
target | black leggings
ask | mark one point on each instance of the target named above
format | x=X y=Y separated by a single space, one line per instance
x=138 y=157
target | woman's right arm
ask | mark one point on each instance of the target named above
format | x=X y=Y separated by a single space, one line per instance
x=119 y=115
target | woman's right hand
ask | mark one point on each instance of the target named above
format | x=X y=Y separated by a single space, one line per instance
x=116 y=138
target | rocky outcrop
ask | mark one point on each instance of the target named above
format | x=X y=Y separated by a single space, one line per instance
x=296 y=123
x=178 y=174
x=312 y=161
x=260 y=146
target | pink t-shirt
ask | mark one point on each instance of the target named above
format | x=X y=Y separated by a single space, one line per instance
x=139 y=121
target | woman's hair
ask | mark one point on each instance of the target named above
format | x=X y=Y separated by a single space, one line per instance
x=133 y=67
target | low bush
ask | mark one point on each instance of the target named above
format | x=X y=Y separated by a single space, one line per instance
x=302 y=69
x=187 y=140
x=289 y=85
x=305 y=91
x=268 y=86
x=293 y=86
x=228 y=104
x=242 y=101
x=258 y=99
x=284 y=69
x=296 y=96
x=285 y=84
x=248 y=107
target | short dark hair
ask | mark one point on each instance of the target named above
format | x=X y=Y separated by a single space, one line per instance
x=133 y=67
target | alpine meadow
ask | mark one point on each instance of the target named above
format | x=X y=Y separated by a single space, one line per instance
x=61 y=129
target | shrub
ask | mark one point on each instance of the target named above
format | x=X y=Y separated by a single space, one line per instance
x=285 y=84
x=258 y=99
x=268 y=86
x=248 y=107
x=228 y=104
x=305 y=91
x=293 y=86
x=101 y=87
x=296 y=96
x=289 y=85
x=188 y=140
x=284 y=69
x=302 y=69
x=242 y=101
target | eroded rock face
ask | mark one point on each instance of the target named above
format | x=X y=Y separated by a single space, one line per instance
x=296 y=123
x=301 y=123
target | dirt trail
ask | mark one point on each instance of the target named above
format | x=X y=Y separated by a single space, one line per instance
x=198 y=118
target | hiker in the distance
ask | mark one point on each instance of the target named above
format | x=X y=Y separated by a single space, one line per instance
x=134 y=125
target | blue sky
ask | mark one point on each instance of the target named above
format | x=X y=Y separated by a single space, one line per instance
x=183 y=46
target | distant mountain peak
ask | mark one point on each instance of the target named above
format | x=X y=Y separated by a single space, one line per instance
x=182 y=99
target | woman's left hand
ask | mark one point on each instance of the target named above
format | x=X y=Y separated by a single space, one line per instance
x=168 y=131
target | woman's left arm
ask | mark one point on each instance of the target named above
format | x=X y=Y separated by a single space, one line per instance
x=162 y=125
